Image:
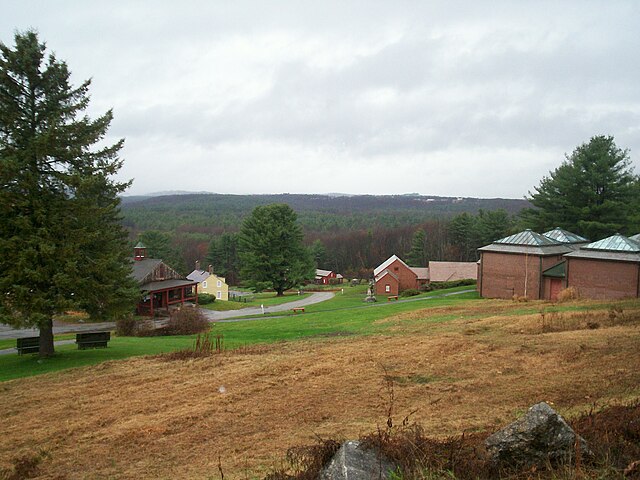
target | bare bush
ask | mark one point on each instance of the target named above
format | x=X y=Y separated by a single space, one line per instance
x=568 y=295
x=186 y=321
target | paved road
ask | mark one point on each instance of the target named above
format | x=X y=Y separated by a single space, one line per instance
x=315 y=297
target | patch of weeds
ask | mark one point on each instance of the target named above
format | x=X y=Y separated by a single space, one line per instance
x=25 y=466
x=417 y=379
x=204 y=346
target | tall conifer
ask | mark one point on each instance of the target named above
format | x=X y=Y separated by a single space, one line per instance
x=61 y=243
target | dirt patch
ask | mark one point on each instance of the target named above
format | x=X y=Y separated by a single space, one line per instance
x=148 y=418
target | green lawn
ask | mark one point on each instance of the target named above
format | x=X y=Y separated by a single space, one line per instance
x=327 y=318
x=266 y=298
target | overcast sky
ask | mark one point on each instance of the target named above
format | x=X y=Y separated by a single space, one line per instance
x=440 y=98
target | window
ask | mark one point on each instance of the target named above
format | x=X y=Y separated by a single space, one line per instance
x=219 y=283
x=204 y=284
x=219 y=295
x=387 y=288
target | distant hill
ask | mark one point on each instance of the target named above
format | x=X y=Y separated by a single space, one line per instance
x=208 y=212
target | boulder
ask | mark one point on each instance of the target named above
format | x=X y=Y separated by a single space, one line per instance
x=539 y=436
x=355 y=462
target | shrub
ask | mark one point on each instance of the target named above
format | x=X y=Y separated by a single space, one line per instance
x=126 y=326
x=567 y=295
x=206 y=298
x=186 y=321
x=452 y=283
x=410 y=292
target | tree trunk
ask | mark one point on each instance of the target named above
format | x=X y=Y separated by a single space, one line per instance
x=46 y=339
x=280 y=293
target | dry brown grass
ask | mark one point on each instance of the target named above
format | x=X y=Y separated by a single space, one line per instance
x=148 y=418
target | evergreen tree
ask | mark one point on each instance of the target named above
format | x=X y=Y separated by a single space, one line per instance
x=591 y=193
x=271 y=250
x=417 y=256
x=61 y=242
x=463 y=234
x=319 y=254
x=159 y=246
x=223 y=255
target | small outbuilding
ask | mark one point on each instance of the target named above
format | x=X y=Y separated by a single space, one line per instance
x=393 y=276
x=327 y=277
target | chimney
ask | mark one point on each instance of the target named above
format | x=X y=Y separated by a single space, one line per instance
x=197 y=264
x=210 y=269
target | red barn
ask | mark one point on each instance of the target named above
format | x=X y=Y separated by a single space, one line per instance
x=325 y=277
x=393 y=276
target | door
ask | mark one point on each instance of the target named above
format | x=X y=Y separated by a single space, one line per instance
x=556 y=286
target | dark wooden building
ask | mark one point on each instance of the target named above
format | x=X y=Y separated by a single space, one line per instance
x=160 y=284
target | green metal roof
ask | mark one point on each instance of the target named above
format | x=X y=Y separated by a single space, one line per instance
x=528 y=237
x=615 y=243
x=564 y=236
x=139 y=245
x=557 y=271
x=636 y=237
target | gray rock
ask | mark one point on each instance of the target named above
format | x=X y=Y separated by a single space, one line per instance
x=539 y=436
x=354 y=462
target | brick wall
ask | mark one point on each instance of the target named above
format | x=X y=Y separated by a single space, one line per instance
x=507 y=274
x=406 y=279
x=603 y=279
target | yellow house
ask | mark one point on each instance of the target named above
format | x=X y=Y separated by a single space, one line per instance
x=209 y=282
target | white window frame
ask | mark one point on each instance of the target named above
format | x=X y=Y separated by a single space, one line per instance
x=219 y=283
x=219 y=294
x=387 y=288
x=204 y=284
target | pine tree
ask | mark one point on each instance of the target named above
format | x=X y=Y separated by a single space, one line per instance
x=417 y=256
x=61 y=242
x=223 y=255
x=271 y=250
x=591 y=193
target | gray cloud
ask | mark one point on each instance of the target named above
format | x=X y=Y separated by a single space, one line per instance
x=365 y=97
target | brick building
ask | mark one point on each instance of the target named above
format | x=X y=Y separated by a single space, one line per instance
x=609 y=268
x=514 y=265
x=393 y=276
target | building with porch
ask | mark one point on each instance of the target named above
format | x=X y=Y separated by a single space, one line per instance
x=161 y=285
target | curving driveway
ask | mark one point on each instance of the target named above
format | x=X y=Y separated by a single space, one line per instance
x=315 y=297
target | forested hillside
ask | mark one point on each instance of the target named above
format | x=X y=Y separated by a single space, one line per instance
x=316 y=213
x=356 y=232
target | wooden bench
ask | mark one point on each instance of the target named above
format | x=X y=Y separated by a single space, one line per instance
x=298 y=309
x=28 y=345
x=392 y=297
x=92 y=340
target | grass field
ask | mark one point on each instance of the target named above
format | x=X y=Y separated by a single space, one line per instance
x=327 y=320
x=255 y=300
x=456 y=365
